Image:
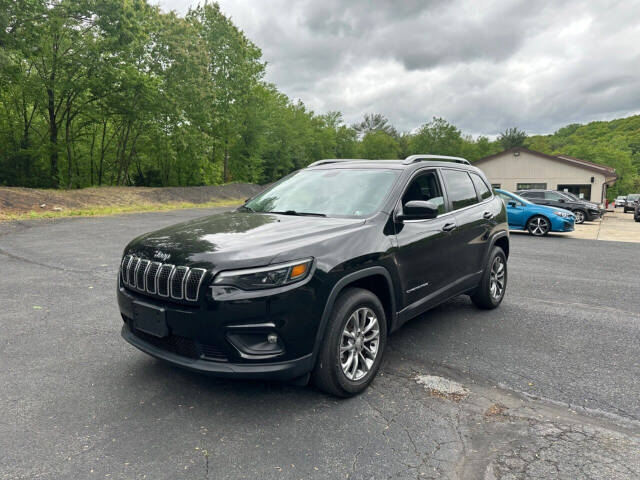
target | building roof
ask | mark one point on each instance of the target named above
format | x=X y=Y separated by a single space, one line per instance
x=577 y=162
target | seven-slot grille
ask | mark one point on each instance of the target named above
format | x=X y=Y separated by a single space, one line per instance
x=165 y=280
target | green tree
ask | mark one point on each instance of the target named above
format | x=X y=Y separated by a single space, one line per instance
x=379 y=145
x=512 y=137
x=374 y=122
x=437 y=137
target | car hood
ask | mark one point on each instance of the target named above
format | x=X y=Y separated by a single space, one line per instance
x=238 y=239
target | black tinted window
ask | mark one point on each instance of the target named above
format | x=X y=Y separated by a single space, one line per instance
x=425 y=187
x=532 y=194
x=459 y=188
x=554 y=196
x=481 y=187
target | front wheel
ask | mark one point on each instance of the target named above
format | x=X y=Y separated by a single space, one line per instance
x=353 y=345
x=538 y=226
x=580 y=216
x=493 y=284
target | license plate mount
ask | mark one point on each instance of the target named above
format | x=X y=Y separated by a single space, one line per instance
x=150 y=319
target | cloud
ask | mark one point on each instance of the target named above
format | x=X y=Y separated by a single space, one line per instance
x=485 y=66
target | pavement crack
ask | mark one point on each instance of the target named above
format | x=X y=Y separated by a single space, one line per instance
x=46 y=265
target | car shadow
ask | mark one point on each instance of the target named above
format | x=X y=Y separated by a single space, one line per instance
x=522 y=233
x=206 y=390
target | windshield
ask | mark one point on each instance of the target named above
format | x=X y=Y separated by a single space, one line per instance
x=633 y=196
x=335 y=192
x=509 y=197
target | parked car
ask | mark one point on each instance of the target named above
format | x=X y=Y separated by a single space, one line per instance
x=632 y=200
x=620 y=201
x=636 y=212
x=308 y=278
x=538 y=220
x=582 y=210
x=601 y=208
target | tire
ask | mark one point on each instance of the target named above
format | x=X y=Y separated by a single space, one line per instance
x=484 y=297
x=328 y=374
x=538 y=226
x=580 y=215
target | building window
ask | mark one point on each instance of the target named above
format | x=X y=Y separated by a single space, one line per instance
x=495 y=185
x=532 y=186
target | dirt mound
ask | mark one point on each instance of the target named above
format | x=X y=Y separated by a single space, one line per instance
x=16 y=200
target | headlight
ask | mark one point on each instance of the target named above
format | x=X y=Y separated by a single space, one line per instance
x=262 y=278
x=562 y=214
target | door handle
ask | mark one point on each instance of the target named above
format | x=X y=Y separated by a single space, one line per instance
x=487 y=215
x=448 y=227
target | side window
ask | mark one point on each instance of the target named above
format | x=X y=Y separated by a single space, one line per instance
x=425 y=186
x=460 y=188
x=532 y=194
x=553 y=196
x=481 y=187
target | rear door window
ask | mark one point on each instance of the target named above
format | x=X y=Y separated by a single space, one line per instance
x=460 y=189
x=481 y=187
x=553 y=196
x=532 y=194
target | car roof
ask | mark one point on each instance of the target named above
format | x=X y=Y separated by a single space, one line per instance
x=412 y=161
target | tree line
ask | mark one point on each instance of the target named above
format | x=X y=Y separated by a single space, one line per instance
x=112 y=92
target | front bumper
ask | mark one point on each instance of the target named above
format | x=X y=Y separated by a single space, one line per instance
x=230 y=338
x=559 y=224
x=286 y=370
x=593 y=215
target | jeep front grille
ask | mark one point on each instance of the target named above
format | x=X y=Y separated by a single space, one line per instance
x=165 y=280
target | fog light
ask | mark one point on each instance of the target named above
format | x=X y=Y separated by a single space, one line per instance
x=272 y=338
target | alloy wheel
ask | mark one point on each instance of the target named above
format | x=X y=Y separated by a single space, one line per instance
x=539 y=226
x=359 y=343
x=496 y=279
x=579 y=216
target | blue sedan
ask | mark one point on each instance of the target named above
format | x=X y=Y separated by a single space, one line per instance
x=538 y=220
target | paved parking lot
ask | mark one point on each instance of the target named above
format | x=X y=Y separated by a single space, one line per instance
x=548 y=382
x=616 y=226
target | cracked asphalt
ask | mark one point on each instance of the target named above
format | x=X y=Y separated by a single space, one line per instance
x=552 y=378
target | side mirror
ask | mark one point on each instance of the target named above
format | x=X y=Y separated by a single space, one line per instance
x=512 y=204
x=562 y=200
x=418 y=210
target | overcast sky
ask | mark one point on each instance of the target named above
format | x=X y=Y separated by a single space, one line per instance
x=482 y=65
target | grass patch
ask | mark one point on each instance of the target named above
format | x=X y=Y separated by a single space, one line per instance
x=102 y=211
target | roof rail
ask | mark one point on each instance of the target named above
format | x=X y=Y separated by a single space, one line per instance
x=419 y=158
x=331 y=160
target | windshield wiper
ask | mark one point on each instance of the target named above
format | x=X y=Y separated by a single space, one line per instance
x=301 y=214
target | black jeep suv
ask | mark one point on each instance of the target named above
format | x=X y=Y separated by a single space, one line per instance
x=582 y=210
x=310 y=276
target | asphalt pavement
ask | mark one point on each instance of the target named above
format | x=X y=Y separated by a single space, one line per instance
x=549 y=380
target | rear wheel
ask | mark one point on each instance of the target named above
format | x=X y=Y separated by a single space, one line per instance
x=580 y=216
x=353 y=345
x=493 y=284
x=538 y=226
